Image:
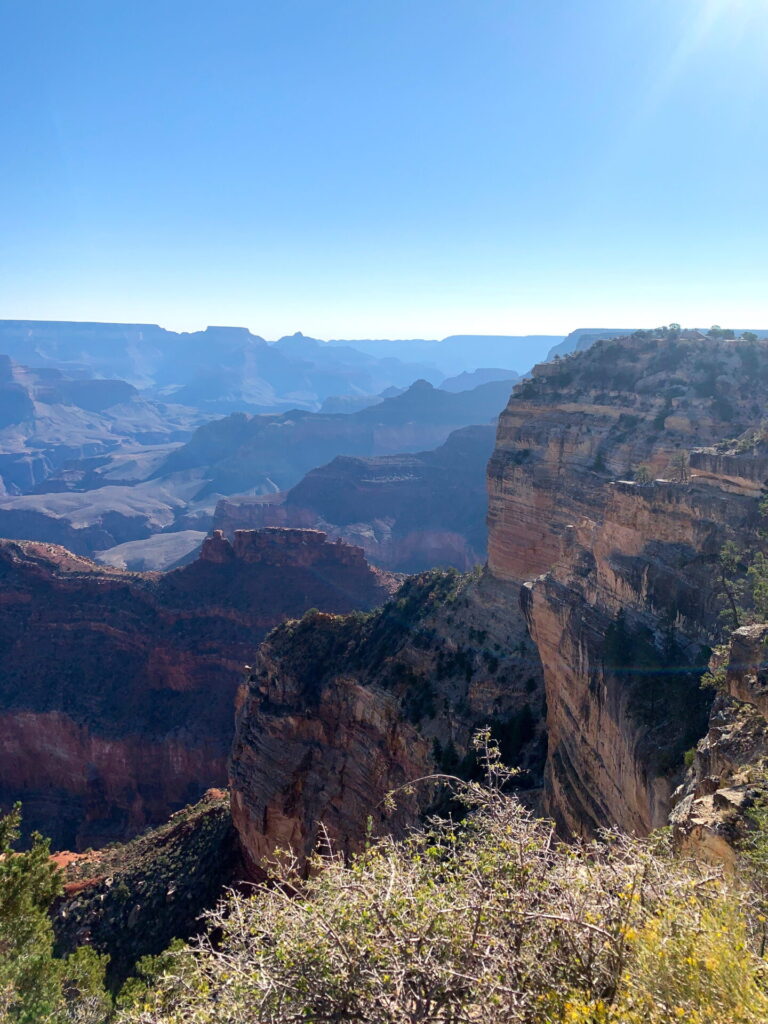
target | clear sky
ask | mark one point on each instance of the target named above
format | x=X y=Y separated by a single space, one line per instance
x=385 y=168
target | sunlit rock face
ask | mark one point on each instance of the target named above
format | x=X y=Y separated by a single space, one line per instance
x=619 y=596
x=340 y=710
x=118 y=688
x=598 y=602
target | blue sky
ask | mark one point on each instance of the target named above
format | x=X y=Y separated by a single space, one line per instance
x=385 y=168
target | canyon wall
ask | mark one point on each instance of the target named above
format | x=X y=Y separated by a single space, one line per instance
x=338 y=711
x=617 y=477
x=728 y=773
x=118 y=688
x=408 y=512
x=619 y=588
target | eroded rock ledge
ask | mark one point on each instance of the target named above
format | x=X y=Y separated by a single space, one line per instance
x=338 y=711
x=730 y=767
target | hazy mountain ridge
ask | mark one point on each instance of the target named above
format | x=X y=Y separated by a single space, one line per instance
x=48 y=418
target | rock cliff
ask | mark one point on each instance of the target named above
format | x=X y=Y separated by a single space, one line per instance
x=340 y=710
x=729 y=769
x=408 y=512
x=117 y=688
x=132 y=899
x=619 y=596
x=613 y=486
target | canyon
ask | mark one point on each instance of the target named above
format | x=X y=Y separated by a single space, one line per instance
x=616 y=477
x=117 y=688
x=613 y=486
x=138 y=495
x=408 y=512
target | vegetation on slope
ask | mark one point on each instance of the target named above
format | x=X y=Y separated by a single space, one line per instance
x=487 y=920
x=130 y=900
x=491 y=920
x=35 y=986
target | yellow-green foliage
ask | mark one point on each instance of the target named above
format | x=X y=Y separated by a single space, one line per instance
x=490 y=921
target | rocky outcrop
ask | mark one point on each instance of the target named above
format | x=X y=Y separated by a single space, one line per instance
x=729 y=768
x=133 y=899
x=408 y=512
x=338 y=711
x=618 y=599
x=620 y=573
x=117 y=688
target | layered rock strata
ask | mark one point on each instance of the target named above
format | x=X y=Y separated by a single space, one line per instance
x=117 y=688
x=408 y=512
x=338 y=711
x=620 y=599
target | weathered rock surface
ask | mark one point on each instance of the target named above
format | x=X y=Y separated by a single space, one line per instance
x=132 y=900
x=730 y=766
x=619 y=601
x=625 y=609
x=340 y=710
x=117 y=688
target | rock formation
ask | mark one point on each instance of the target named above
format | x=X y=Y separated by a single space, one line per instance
x=612 y=489
x=729 y=770
x=131 y=900
x=117 y=688
x=408 y=512
x=340 y=710
x=263 y=454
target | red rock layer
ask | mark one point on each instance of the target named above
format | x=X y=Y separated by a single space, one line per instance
x=118 y=688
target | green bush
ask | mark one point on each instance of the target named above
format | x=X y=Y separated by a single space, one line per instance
x=35 y=986
x=491 y=921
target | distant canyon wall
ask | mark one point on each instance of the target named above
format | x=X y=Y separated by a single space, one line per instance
x=118 y=688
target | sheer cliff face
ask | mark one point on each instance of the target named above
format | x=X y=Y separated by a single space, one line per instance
x=600 y=416
x=611 y=580
x=338 y=711
x=118 y=688
x=619 y=598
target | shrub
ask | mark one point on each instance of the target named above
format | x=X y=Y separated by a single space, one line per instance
x=491 y=920
x=35 y=987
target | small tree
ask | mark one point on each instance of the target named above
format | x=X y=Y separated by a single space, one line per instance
x=679 y=468
x=731 y=583
x=643 y=475
x=35 y=987
x=758 y=582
